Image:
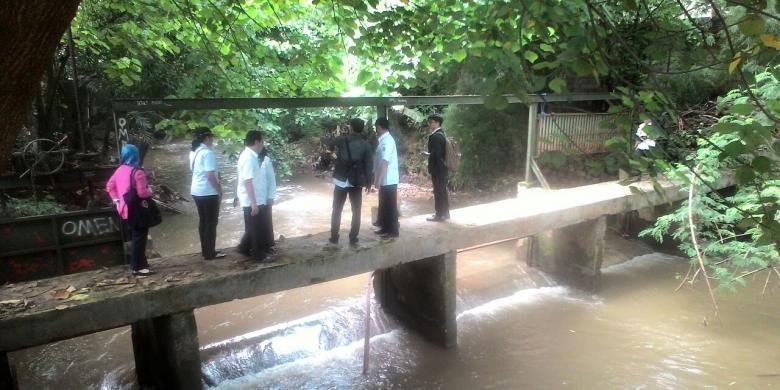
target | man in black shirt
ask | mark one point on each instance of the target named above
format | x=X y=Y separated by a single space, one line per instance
x=437 y=168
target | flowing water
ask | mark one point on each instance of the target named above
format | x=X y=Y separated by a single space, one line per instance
x=516 y=327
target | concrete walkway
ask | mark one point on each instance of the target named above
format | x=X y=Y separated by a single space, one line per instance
x=30 y=315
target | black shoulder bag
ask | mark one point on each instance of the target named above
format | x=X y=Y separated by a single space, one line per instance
x=355 y=174
x=141 y=212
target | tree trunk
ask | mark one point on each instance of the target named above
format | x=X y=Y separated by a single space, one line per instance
x=29 y=34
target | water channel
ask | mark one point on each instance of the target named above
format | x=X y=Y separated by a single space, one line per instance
x=517 y=328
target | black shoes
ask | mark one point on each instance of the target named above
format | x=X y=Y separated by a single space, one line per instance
x=265 y=259
x=436 y=218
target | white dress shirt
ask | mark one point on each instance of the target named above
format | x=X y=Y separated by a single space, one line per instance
x=386 y=151
x=202 y=161
x=249 y=168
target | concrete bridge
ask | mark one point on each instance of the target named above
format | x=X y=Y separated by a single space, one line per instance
x=415 y=277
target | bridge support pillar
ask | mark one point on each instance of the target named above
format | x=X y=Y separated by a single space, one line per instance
x=421 y=294
x=573 y=253
x=7 y=378
x=167 y=353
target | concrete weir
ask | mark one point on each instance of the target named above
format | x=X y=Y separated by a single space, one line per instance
x=415 y=278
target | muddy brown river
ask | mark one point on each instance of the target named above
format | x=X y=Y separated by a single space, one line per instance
x=517 y=328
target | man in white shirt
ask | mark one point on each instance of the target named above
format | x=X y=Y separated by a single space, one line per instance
x=267 y=167
x=386 y=180
x=206 y=191
x=253 y=195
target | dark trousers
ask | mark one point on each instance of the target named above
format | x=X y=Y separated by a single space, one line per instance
x=339 y=198
x=253 y=240
x=208 y=216
x=442 y=203
x=387 y=217
x=138 y=244
x=269 y=228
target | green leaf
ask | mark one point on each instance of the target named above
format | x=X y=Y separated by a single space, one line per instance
x=752 y=24
x=545 y=65
x=742 y=109
x=557 y=84
x=761 y=164
x=531 y=56
x=725 y=127
x=363 y=77
x=547 y=48
x=459 y=55
x=127 y=81
x=733 y=149
x=225 y=49
x=745 y=174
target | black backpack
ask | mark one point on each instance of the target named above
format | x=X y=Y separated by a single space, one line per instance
x=141 y=212
x=356 y=174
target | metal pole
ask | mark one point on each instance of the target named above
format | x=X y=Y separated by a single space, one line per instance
x=530 y=149
x=116 y=136
x=72 y=51
x=367 y=327
x=381 y=111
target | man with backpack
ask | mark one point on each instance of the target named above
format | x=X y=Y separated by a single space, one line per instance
x=354 y=169
x=437 y=168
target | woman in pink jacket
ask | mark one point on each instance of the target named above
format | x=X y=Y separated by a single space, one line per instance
x=117 y=186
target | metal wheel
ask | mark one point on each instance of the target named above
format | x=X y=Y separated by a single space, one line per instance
x=43 y=156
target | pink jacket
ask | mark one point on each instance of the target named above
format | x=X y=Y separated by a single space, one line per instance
x=119 y=184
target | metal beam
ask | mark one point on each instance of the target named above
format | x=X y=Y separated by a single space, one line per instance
x=125 y=105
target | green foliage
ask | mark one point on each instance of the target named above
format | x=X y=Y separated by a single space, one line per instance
x=27 y=207
x=692 y=88
x=738 y=233
x=492 y=143
x=553 y=159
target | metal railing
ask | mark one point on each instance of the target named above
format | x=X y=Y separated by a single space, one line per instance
x=576 y=132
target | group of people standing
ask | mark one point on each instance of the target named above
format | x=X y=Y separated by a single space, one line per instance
x=255 y=192
x=355 y=171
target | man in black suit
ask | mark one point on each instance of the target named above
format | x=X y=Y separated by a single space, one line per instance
x=437 y=150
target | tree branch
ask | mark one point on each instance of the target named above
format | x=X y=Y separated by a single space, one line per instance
x=696 y=246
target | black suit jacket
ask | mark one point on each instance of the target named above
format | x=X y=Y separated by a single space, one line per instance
x=437 y=149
